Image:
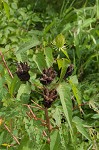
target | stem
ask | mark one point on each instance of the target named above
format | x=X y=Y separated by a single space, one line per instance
x=34 y=116
x=47 y=120
x=11 y=134
x=5 y=64
x=37 y=105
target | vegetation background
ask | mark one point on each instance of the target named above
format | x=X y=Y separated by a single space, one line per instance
x=45 y=34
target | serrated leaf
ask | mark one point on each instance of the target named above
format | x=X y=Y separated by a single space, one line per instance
x=25 y=144
x=24 y=88
x=74 y=81
x=26 y=46
x=56 y=116
x=39 y=59
x=55 y=140
x=6 y=7
x=79 y=125
x=14 y=84
x=48 y=56
x=1 y=137
x=64 y=93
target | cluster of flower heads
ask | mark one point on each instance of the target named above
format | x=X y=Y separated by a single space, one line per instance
x=22 y=71
x=46 y=78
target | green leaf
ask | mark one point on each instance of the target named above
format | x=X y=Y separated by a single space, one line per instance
x=55 y=140
x=65 y=52
x=79 y=125
x=47 y=28
x=26 y=46
x=39 y=59
x=60 y=40
x=24 y=88
x=14 y=85
x=45 y=146
x=49 y=56
x=56 y=116
x=64 y=68
x=87 y=22
x=97 y=8
x=25 y=144
x=7 y=10
x=74 y=81
x=90 y=59
x=95 y=116
x=1 y=137
x=65 y=97
x=60 y=63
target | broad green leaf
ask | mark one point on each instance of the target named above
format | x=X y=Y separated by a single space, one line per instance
x=55 y=140
x=79 y=125
x=65 y=97
x=7 y=9
x=60 y=63
x=24 y=88
x=14 y=85
x=62 y=139
x=49 y=56
x=95 y=116
x=26 y=46
x=25 y=144
x=1 y=137
x=56 y=116
x=45 y=146
x=60 y=40
x=74 y=81
x=39 y=59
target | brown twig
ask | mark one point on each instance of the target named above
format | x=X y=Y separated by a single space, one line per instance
x=43 y=122
x=80 y=105
x=49 y=126
x=5 y=64
x=31 y=106
x=38 y=105
x=34 y=116
x=11 y=134
x=45 y=134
